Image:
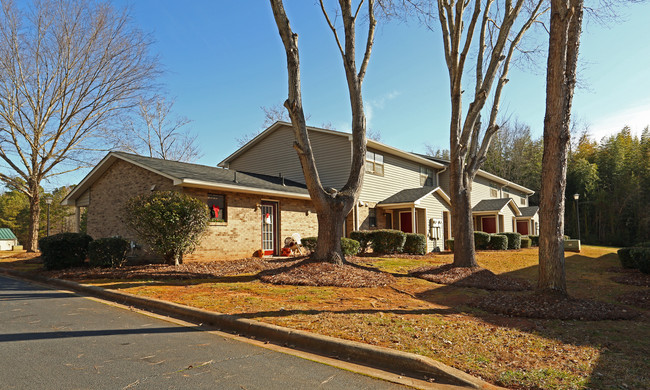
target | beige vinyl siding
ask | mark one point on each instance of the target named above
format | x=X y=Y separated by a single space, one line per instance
x=399 y=174
x=444 y=181
x=508 y=216
x=435 y=206
x=275 y=154
x=481 y=189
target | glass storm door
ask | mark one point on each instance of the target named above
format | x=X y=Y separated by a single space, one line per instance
x=269 y=225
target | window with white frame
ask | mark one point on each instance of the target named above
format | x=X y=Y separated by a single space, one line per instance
x=217 y=207
x=375 y=163
x=426 y=176
x=493 y=191
x=523 y=200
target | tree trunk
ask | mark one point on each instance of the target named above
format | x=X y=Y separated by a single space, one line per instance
x=564 y=39
x=461 y=214
x=330 y=231
x=34 y=217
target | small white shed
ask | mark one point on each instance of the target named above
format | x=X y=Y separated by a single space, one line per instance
x=7 y=239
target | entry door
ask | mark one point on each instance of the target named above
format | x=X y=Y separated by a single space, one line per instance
x=269 y=227
x=489 y=224
x=522 y=227
x=406 y=222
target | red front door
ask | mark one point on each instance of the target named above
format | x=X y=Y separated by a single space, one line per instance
x=522 y=227
x=489 y=224
x=406 y=222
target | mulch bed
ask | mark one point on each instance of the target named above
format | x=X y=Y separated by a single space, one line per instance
x=470 y=277
x=532 y=305
x=190 y=270
x=327 y=274
x=633 y=277
x=636 y=298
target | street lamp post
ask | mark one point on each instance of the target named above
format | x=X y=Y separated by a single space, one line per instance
x=48 y=200
x=576 y=197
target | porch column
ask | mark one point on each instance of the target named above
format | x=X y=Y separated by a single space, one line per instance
x=413 y=224
x=77 y=219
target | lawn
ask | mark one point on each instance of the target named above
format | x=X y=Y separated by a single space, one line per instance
x=438 y=321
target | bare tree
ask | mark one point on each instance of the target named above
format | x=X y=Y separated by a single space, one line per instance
x=67 y=68
x=500 y=27
x=564 y=42
x=332 y=205
x=155 y=132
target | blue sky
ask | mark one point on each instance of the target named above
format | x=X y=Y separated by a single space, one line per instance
x=224 y=60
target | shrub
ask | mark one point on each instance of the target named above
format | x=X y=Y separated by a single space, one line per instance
x=363 y=237
x=309 y=243
x=350 y=247
x=481 y=240
x=108 y=252
x=170 y=222
x=450 y=244
x=64 y=250
x=526 y=242
x=499 y=242
x=627 y=261
x=534 y=240
x=387 y=241
x=514 y=240
x=415 y=244
x=643 y=245
x=641 y=258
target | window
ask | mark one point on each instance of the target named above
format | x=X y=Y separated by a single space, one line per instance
x=493 y=191
x=389 y=221
x=375 y=163
x=523 y=201
x=372 y=217
x=426 y=176
x=217 y=207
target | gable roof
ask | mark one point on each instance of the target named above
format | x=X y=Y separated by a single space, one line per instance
x=195 y=175
x=413 y=195
x=496 y=205
x=370 y=144
x=529 y=211
x=7 y=234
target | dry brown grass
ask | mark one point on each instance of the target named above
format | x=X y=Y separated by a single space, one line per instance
x=434 y=320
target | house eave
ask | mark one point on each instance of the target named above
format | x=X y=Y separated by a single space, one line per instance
x=192 y=183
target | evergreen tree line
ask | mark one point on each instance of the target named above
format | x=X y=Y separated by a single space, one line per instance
x=612 y=178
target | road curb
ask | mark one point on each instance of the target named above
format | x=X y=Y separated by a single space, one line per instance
x=365 y=354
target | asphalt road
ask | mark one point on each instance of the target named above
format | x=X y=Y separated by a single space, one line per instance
x=57 y=340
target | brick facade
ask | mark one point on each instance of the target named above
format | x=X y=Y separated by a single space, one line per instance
x=236 y=238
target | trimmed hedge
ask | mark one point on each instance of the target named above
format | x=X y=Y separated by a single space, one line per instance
x=108 y=252
x=450 y=244
x=363 y=237
x=415 y=244
x=350 y=247
x=309 y=243
x=627 y=261
x=534 y=240
x=526 y=242
x=64 y=250
x=388 y=241
x=498 y=242
x=641 y=258
x=481 y=240
x=514 y=240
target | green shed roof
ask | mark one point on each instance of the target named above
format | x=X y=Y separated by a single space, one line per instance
x=7 y=234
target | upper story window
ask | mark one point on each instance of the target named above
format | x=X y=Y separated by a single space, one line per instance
x=493 y=190
x=217 y=207
x=426 y=176
x=375 y=163
x=522 y=201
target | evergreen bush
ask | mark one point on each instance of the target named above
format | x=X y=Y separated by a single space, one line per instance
x=350 y=247
x=481 y=240
x=387 y=241
x=498 y=242
x=108 y=252
x=626 y=259
x=534 y=240
x=64 y=250
x=363 y=237
x=514 y=240
x=641 y=258
x=526 y=242
x=415 y=244
x=309 y=243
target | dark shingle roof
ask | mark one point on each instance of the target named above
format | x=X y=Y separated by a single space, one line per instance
x=181 y=170
x=491 y=204
x=407 y=196
x=528 y=211
x=7 y=234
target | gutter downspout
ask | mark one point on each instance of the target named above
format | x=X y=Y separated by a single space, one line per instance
x=438 y=176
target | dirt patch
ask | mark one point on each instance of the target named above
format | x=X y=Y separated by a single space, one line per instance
x=637 y=298
x=190 y=270
x=470 y=277
x=326 y=274
x=633 y=277
x=532 y=305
